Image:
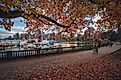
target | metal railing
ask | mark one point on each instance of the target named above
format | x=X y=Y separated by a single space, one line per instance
x=6 y=55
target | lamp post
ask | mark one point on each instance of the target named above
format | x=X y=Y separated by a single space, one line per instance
x=41 y=34
x=19 y=45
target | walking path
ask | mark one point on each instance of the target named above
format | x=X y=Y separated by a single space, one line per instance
x=23 y=69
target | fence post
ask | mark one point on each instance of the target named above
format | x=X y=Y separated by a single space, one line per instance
x=9 y=54
x=73 y=48
x=91 y=45
x=38 y=51
x=59 y=50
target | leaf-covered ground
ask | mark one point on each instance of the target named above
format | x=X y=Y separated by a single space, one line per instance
x=107 y=67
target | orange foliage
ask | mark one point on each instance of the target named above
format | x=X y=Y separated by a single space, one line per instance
x=64 y=12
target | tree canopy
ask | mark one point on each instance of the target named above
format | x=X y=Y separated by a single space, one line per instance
x=67 y=14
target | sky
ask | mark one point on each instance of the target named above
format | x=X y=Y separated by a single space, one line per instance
x=18 y=26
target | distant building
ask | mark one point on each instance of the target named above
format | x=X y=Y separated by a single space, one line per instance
x=16 y=36
x=3 y=36
x=26 y=35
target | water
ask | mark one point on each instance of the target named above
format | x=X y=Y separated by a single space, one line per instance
x=10 y=41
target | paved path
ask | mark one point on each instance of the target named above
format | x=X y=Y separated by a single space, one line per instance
x=23 y=69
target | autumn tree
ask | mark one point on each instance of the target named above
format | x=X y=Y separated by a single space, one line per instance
x=66 y=14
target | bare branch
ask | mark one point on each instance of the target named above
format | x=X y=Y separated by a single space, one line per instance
x=10 y=14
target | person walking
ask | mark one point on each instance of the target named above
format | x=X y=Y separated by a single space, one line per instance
x=95 y=47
